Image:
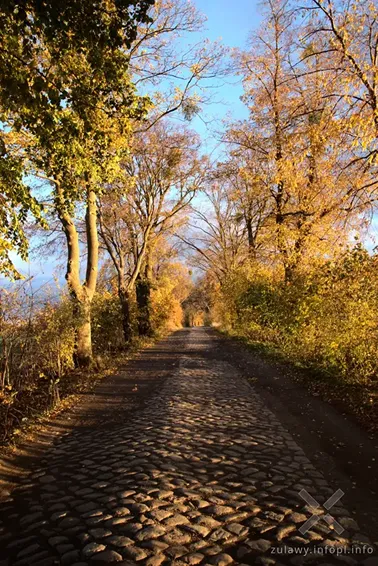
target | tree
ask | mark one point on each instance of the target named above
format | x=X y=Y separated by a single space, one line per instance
x=30 y=91
x=296 y=134
x=176 y=71
x=243 y=177
x=170 y=284
x=343 y=38
x=64 y=81
x=217 y=239
x=182 y=74
x=198 y=303
x=163 y=174
x=17 y=202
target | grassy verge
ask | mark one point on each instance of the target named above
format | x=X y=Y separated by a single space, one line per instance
x=359 y=400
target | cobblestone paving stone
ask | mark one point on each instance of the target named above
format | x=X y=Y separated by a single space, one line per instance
x=203 y=474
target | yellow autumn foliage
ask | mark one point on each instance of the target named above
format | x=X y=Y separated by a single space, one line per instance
x=326 y=319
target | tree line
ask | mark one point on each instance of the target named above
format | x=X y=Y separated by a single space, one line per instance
x=86 y=92
x=300 y=174
x=281 y=232
x=95 y=162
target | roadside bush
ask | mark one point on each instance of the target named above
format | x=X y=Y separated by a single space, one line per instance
x=107 y=333
x=170 y=289
x=166 y=307
x=326 y=320
x=37 y=342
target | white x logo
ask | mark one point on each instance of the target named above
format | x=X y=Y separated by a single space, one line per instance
x=316 y=517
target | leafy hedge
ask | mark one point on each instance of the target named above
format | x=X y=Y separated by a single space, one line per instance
x=327 y=320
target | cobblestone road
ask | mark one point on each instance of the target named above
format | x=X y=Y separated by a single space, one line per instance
x=203 y=474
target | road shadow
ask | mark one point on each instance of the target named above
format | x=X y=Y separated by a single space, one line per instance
x=201 y=473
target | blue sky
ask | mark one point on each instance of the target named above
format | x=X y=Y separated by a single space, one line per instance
x=231 y=24
x=230 y=21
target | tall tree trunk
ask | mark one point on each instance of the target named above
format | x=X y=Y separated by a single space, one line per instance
x=82 y=294
x=127 y=286
x=251 y=238
x=83 y=333
x=143 y=295
x=124 y=298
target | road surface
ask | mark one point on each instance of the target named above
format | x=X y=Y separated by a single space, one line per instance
x=198 y=470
